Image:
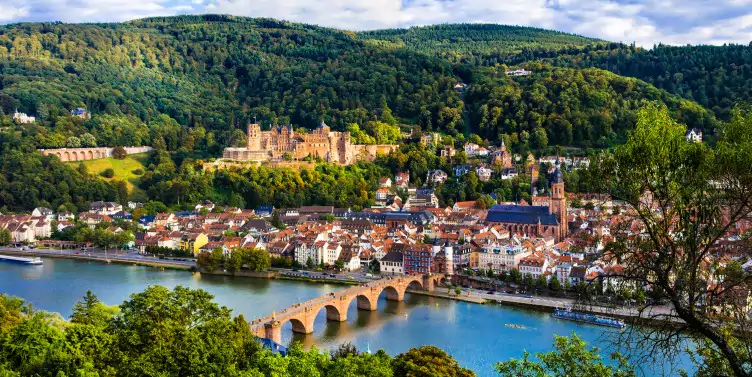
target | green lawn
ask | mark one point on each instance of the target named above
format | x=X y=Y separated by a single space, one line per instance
x=123 y=170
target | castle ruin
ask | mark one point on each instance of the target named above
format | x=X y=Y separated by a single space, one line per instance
x=283 y=142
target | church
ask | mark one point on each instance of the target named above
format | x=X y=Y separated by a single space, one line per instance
x=536 y=221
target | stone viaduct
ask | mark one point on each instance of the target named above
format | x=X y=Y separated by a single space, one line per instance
x=302 y=315
x=83 y=154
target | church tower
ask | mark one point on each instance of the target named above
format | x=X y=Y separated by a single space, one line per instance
x=254 y=137
x=558 y=203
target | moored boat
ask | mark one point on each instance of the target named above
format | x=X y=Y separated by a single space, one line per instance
x=588 y=318
x=30 y=261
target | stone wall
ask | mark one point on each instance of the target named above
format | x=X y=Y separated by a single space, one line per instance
x=84 y=154
x=369 y=152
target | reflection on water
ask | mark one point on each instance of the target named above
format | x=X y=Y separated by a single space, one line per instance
x=31 y=272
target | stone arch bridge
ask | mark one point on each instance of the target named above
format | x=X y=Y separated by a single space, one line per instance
x=302 y=315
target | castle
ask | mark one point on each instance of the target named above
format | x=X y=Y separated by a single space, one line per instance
x=284 y=143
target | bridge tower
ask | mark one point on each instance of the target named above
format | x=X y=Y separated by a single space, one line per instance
x=273 y=330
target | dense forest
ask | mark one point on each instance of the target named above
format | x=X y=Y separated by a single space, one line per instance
x=188 y=85
x=219 y=72
x=716 y=77
x=563 y=106
x=473 y=43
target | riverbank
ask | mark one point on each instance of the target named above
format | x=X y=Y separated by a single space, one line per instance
x=448 y=296
x=160 y=263
x=542 y=304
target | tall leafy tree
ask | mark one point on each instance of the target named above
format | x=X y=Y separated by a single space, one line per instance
x=685 y=201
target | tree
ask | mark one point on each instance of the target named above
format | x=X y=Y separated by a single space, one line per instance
x=344 y=350
x=485 y=202
x=529 y=282
x=88 y=140
x=91 y=311
x=687 y=198
x=339 y=265
x=374 y=266
x=428 y=361
x=5 y=237
x=256 y=259
x=540 y=281
x=309 y=263
x=73 y=142
x=515 y=276
x=212 y=260
x=235 y=261
x=163 y=332
x=119 y=153
x=555 y=283
x=570 y=357
x=504 y=276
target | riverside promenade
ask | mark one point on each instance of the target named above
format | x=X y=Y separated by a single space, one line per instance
x=110 y=257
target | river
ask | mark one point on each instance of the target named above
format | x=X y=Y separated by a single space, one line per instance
x=474 y=334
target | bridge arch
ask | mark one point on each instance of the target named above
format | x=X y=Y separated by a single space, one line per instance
x=299 y=326
x=66 y=156
x=335 y=314
x=366 y=303
x=415 y=285
x=393 y=293
x=91 y=155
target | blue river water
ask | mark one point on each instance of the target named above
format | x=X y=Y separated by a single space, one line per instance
x=474 y=334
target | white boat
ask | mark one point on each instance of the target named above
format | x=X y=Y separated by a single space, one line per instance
x=24 y=260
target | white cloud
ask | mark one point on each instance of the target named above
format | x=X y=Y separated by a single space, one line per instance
x=642 y=21
x=9 y=13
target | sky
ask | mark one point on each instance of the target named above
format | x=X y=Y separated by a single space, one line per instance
x=645 y=22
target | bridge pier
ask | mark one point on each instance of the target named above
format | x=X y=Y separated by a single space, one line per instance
x=428 y=283
x=273 y=331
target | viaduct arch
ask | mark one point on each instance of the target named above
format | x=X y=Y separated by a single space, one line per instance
x=84 y=154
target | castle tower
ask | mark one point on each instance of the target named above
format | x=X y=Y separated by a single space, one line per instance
x=558 y=203
x=254 y=137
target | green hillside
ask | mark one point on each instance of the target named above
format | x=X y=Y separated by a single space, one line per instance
x=464 y=42
x=220 y=72
x=124 y=171
x=188 y=85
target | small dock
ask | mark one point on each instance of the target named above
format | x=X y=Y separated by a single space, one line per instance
x=22 y=260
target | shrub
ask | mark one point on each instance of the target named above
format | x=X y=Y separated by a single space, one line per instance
x=138 y=171
x=108 y=173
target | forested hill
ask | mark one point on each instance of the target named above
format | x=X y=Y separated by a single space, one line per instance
x=468 y=42
x=716 y=77
x=219 y=72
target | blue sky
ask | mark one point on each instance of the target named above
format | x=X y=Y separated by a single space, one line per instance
x=645 y=22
